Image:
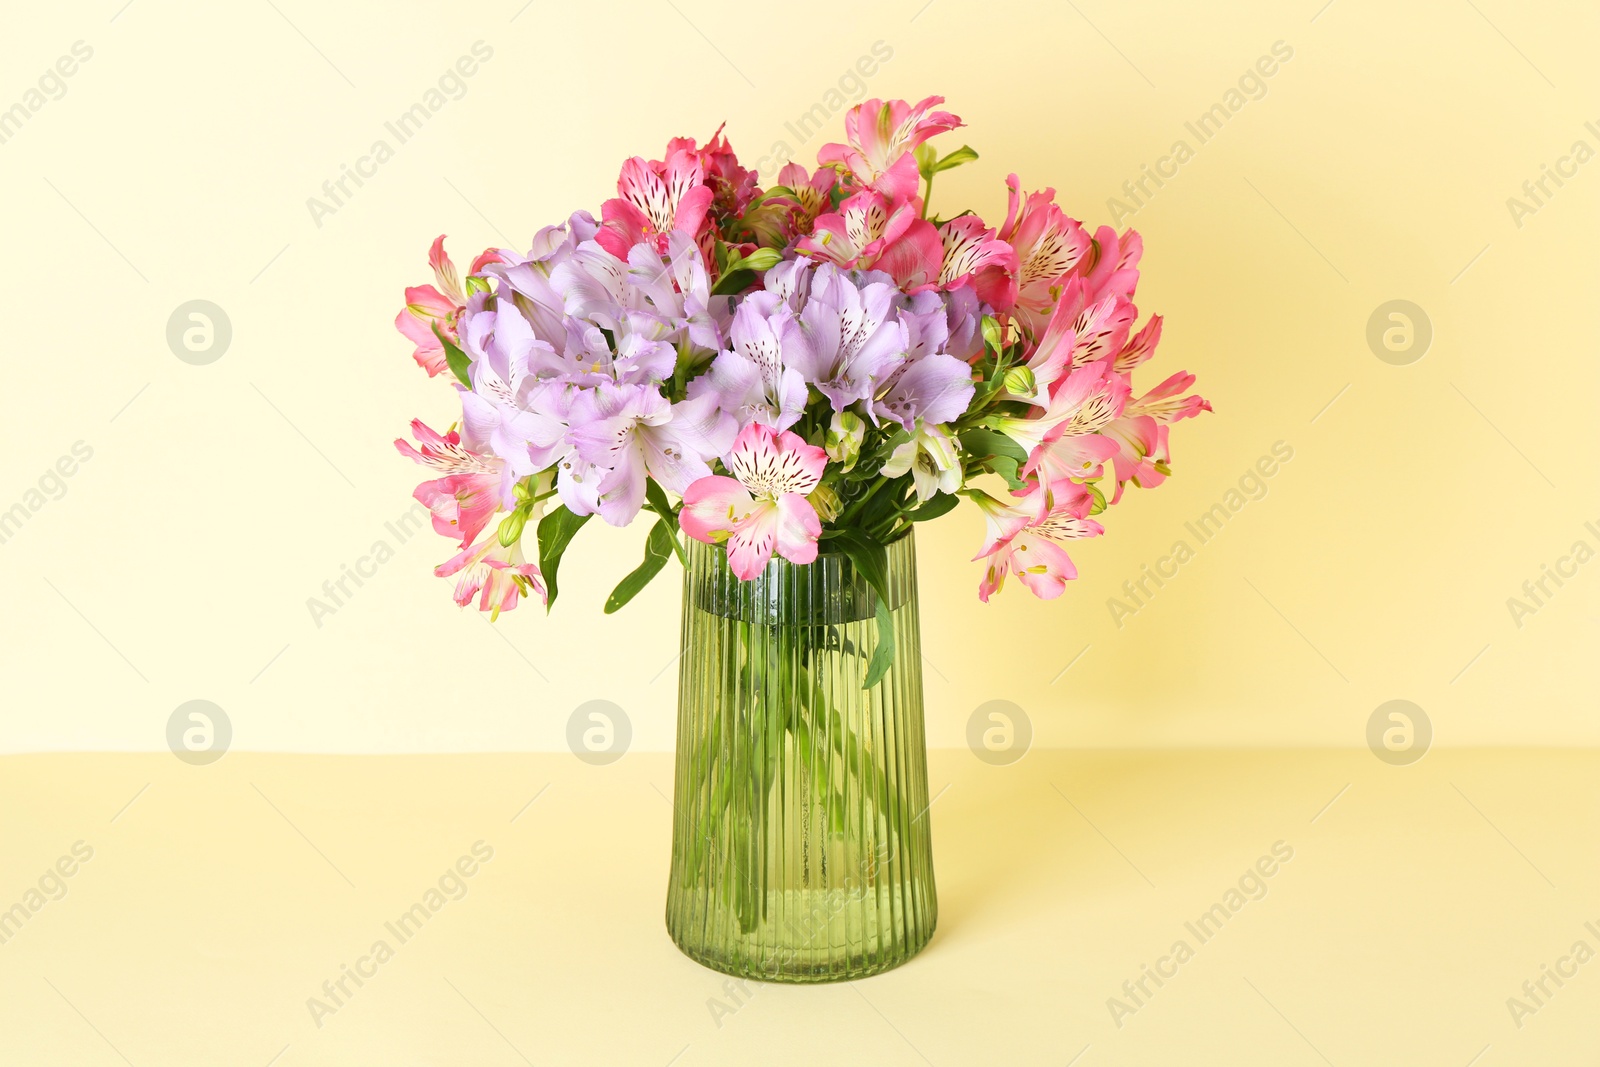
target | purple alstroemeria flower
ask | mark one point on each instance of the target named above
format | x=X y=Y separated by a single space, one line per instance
x=852 y=340
x=678 y=289
x=630 y=432
x=505 y=409
x=754 y=379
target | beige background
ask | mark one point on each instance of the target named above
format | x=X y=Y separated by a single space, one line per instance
x=178 y=561
x=219 y=498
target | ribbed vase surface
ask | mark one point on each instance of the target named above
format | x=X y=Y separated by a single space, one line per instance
x=801 y=850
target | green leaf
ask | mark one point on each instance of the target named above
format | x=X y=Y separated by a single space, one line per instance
x=927 y=158
x=942 y=504
x=964 y=154
x=656 y=498
x=1007 y=468
x=871 y=560
x=657 y=550
x=459 y=361
x=883 y=655
x=556 y=531
x=734 y=282
x=980 y=441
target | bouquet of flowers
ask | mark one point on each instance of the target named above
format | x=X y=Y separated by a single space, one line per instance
x=811 y=366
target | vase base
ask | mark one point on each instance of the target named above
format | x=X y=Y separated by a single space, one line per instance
x=804 y=968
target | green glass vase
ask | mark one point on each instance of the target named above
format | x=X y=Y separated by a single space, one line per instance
x=800 y=848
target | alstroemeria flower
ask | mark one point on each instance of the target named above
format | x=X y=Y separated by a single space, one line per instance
x=1022 y=538
x=653 y=199
x=502 y=408
x=974 y=255
x=630 y=432
x=856 y=234
x=1083 y=403
x=812 y=193
x=931 y=456
x=473 y=488
x=851 y=340
x=1080 y=457
x=1049 y=244
x=914 y=258
x=495 y=570
x=753 y=379
x=1079 y=333
x=430 y=306
x=1115 y=264
x=1140 y=347
x=1140 y=432
x=934 y=388
x=678 y=288
x=763 y=507
x=882 y=136
x=732 y=186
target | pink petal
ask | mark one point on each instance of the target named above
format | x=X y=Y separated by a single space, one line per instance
x=798 y=528
x=750 y=546
x=713 y=505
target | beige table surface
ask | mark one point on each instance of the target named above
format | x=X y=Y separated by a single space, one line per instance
x=218 y=901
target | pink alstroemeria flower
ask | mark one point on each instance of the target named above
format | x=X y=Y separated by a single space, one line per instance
x=1080 y=333
x=882 y=136
x=1140 y=347
x=1083 y=403
x=1140 y=432
x=763 y=506
x=495 y=570
x=1049 y=244
x=812 y=192
x=653 y=199
x=428 y=306
x=473 y=488
x=973 y=254
x=856 y=235
x=1022 y=538
x=732 y=186
x=1115 y=265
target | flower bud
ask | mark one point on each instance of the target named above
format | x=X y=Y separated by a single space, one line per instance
x=844 y=437
x=992 y=333
x=1019 y=381
x=826 y=501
